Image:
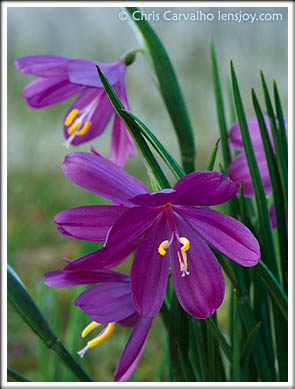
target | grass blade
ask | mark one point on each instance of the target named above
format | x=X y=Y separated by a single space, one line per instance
x=236 y=340
x=169 y=88
x=28 y=310
x=212 y=158
x=16 y=375
x=280 y=116
x=248 y=346
x=138 y=138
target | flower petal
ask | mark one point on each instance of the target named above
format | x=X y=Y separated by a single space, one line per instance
x=149 y=273
x=200 y=292
x=107 y=302
x=94 y=107
x=155 y=199
x=239 y=172
x=225 y=234
x=91 y=222
x=130 y=321
x=133 y=350
x=84 y=72
x=43 y=92
x=90 y=261
x=204 y=188
x=101 y=176
x=62 y=278
x=43 y=65
x=127 y=232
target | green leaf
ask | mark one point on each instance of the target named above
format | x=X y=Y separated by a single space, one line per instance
x=216 y=367
x=28 y=310
x=280 y=116
x=220 y=338
x=265 y=233
x=281 y=157
x=16 y=375
x=212 y=158
x=169 y=88
x=277 y=190
x=137 y=136
x=276 y=291
x=157 y=145
x=220 y=107
x=249 y=344
x=197 y=356
x=236 y=340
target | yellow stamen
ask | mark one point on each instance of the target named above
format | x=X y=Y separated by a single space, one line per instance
x=71 y=116
x=185 y=242
x=164 y=245
x=74 y=126
x=107 y=333
x=89 y=328
x=184 y=256
x=84 y=129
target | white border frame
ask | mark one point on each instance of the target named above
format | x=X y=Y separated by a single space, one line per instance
x=184 y=4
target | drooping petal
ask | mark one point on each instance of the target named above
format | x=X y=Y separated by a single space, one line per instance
x=225 y=234
x=155 y=199
x=107 y=302
x=200 y=292
x=272 y=215
x=101 y=176
x=204 y=189
x=44 y=92
x=43 y=65
x=130 y=321
x=93 y=107
x=133 y=350
x=84 y=72
x=122 y=145
x=91 y=222
x=238 y=171
x=149 y=273
x=127 y=232
x=62 y=278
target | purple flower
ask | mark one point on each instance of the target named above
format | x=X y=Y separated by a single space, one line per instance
x=59 y=78
x=238 y=170
x=108 y=302
x=167 y=226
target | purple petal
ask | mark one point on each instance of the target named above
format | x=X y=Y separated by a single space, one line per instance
x=94 y=107
x=43 y=92
x=63 y=278
x=90 y=261
x=225 y=234
x=133 y=350
x=43 y=65
x=149 y=273
x=127 y=232
x=272 y=215
x=235 y=135
x=84 y=72
x=130 y=321
x=88 y=223
x=200 y=292
x=239 y=172
x=107 y=303
x=204 y=189
x=155 y=199
x=101 y=176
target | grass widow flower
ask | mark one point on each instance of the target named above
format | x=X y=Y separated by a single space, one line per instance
x=239 y=171
x=109 y=302
x=59 y=78
x=167 y=226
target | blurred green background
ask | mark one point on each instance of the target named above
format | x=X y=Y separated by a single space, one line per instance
x=37 y=189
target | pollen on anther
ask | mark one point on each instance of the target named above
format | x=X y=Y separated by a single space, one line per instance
x=84 y=129
x=71 y=116
x=74 y=126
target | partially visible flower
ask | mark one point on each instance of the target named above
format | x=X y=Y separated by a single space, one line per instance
x=109 y=302
x=167 y=226
x=59 y=78
x=238 y=170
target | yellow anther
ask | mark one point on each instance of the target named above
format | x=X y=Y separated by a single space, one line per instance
x=89 y=328
x=74 y=126
x=71 y=116
x=104 y=336
x=164 y=245
x=186 y=244
x=84 y=129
